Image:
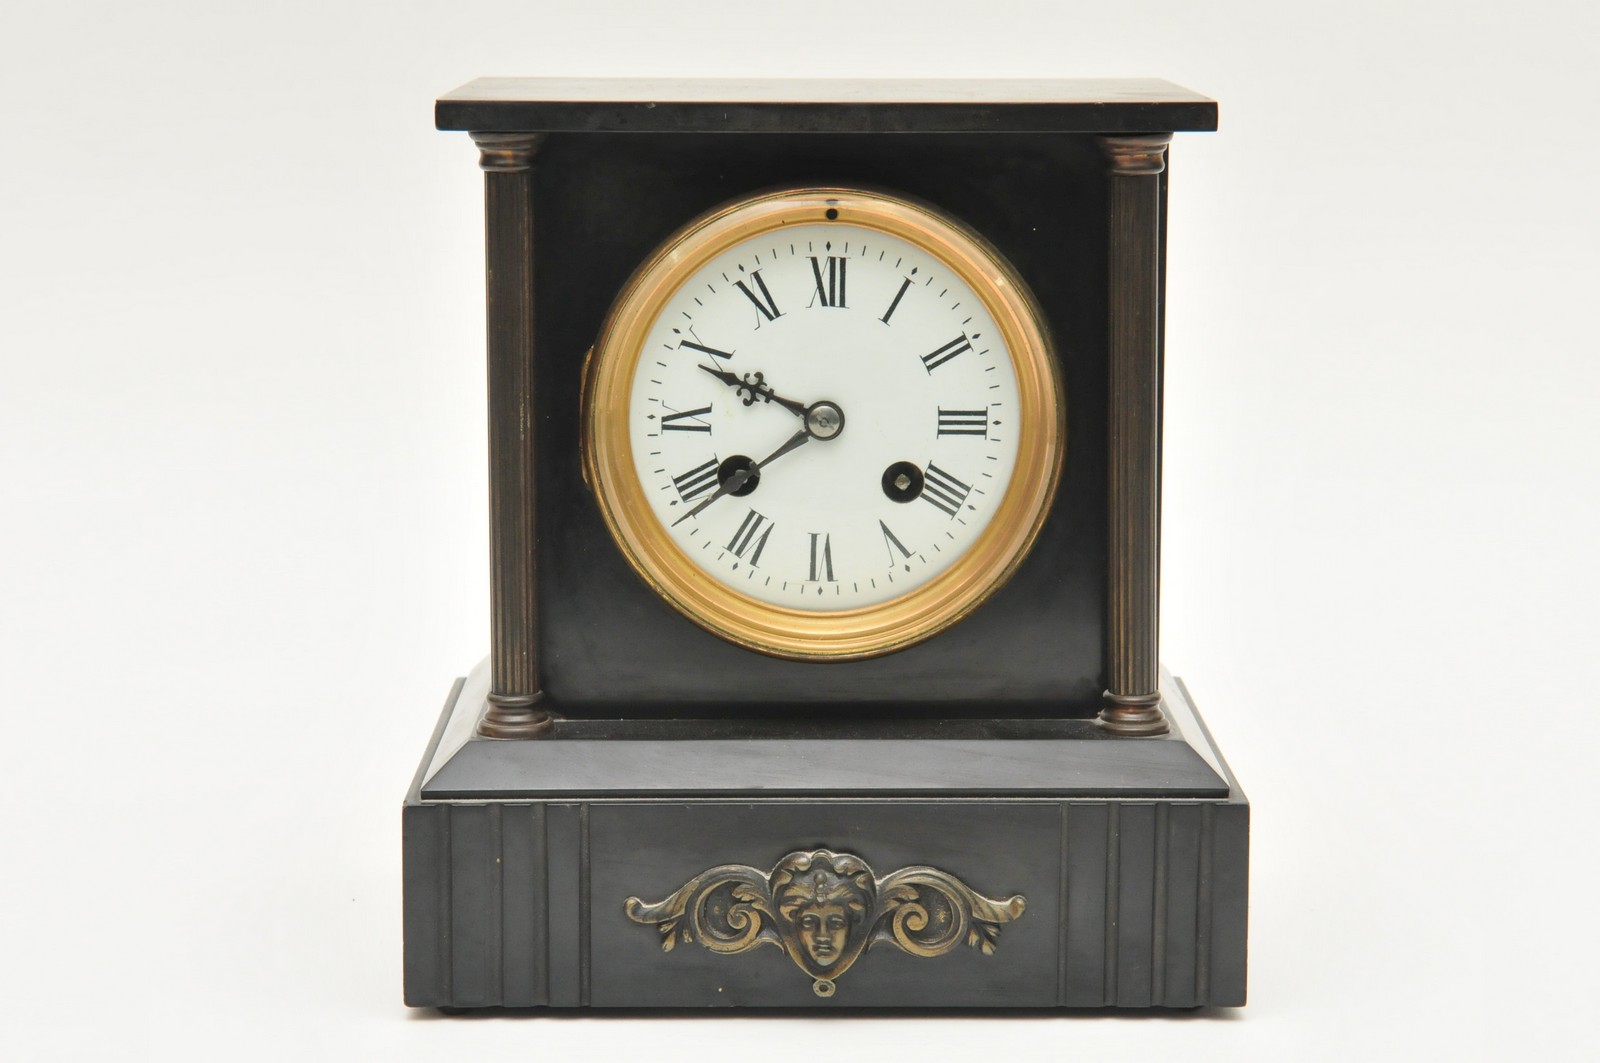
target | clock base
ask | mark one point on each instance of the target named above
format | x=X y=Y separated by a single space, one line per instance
x=1024 y=863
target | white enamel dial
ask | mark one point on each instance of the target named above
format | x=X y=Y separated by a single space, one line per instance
x=903 y=463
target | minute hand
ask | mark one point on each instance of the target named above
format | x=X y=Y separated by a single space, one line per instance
x=742 y=477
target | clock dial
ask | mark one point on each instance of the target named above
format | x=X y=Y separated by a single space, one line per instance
x=824 y=423
x=882 y=332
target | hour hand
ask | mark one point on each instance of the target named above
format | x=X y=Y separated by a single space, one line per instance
x=754 y=387
x=723 y=375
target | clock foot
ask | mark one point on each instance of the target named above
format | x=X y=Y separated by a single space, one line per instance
x=1133 y=714
x=515 y=716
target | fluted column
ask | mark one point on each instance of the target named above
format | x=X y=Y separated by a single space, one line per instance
x=513 y=709
x=1133 y=697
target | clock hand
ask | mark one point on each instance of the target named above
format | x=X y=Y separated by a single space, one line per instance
x=742 y=476
x=754 y=387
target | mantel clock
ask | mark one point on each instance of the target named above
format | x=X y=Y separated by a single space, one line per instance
x=824 y=488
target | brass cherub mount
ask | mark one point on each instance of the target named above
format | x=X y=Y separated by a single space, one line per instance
x=824 y=909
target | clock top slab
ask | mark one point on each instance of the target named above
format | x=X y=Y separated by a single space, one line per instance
x=762 y=105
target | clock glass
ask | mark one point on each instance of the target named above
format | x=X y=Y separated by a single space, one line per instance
x=824 y=423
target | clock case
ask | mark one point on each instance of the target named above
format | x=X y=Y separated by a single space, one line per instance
x=611 y=748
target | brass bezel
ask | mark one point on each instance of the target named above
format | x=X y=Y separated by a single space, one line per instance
x=867 y=631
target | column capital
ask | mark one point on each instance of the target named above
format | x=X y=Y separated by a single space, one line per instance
x=507 y=152
x=1132 y=155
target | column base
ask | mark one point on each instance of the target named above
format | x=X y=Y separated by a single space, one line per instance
x=515 y=716
x=1133 y=715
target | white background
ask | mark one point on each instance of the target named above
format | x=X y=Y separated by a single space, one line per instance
x=242 y=527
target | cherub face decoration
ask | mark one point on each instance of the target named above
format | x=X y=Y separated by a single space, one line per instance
x=824 y=909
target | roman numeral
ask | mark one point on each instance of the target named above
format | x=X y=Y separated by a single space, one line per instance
x=892 y=544
x=703 y=349
x=680 y=422
x=959 y=345
x=964 y=422
x=697 y=481
x=821 y=556
x=831 y=292
x=899 y=295
x=745 y=537
x=763 y=302
x=944 y=491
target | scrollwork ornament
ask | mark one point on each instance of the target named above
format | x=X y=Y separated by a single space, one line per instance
x=824 y=909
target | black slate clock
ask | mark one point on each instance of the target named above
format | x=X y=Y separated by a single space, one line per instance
x=825 y=457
